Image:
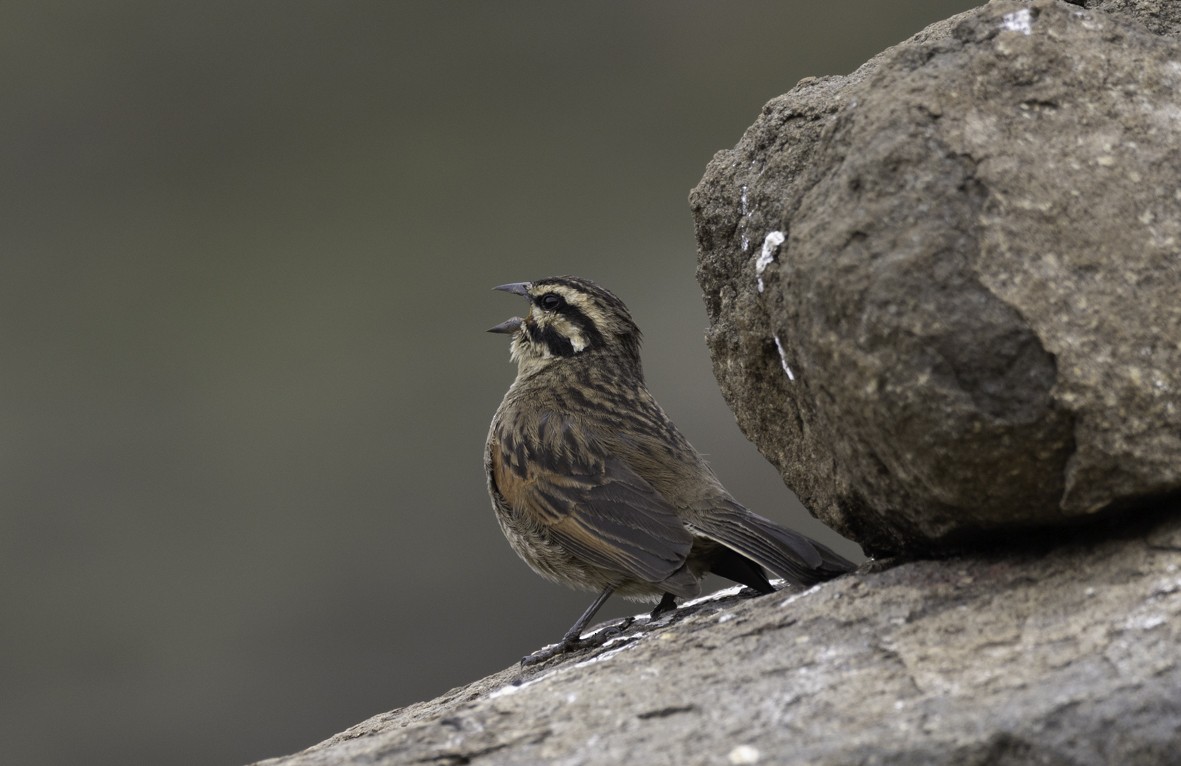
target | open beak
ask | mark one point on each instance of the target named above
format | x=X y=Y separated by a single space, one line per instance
x=511 y=325
x=516 y=288
x=507 y=326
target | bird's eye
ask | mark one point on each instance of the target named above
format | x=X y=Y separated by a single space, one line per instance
x=551 y=301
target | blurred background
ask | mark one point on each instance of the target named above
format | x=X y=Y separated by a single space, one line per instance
x=247 y=258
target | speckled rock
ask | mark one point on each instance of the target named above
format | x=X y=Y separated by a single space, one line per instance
x=1062 y=653
x=943 y=291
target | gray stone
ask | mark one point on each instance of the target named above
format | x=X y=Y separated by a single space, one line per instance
x=1050 y=654
x=972 y=322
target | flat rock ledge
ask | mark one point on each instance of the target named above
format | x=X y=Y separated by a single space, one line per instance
x=1061 y=652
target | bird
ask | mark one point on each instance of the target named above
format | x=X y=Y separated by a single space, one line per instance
x=594 y=486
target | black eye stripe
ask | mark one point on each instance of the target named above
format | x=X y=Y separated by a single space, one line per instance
x=586 y=326
x=558 y=343
x=582 y=286
x=590 y=333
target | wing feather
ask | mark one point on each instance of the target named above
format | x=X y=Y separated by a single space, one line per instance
x=564 y=480
x=789 y=554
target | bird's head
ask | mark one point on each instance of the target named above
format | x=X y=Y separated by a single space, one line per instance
x=570 y=317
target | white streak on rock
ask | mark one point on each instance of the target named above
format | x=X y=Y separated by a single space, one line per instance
x=783 y=359
x=1018 y=21
x=744 y=210
x=770 y=246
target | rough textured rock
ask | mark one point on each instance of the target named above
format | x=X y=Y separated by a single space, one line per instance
x=943 y=291
x=1160 y=16
x=1052 y=654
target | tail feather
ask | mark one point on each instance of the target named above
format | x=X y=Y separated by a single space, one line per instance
x=794 y=557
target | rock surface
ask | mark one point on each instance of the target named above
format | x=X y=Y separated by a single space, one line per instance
x=943 y=291
x=1052 y=654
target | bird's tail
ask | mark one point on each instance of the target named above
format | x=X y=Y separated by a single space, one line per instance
x=794 y=557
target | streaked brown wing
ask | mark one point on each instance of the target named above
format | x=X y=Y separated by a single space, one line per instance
x=562 y=479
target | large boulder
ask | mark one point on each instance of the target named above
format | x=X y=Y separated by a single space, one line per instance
x=944 y=292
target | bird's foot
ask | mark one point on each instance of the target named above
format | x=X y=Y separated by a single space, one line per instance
x=668 y=602
x=549 y=652
x=616 y=630
x=572 y=642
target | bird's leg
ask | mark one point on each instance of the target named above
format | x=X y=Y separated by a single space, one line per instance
x=580 y=624
x=667 y=603
x=570 y=640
